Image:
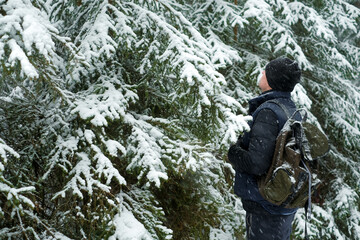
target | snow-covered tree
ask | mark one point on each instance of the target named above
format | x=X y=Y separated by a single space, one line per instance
x=116 y=115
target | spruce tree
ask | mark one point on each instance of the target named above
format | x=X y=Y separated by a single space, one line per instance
x=116 y=116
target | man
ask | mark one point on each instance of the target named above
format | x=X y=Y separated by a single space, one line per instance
x=252 y=155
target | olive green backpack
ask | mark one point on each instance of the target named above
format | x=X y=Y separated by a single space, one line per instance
x=291 y=178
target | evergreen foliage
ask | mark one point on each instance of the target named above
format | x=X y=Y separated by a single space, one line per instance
x=116 y=115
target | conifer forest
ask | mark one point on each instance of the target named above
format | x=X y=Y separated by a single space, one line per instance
x=116 y=115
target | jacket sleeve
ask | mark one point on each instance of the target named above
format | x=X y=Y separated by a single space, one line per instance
x=257 y=158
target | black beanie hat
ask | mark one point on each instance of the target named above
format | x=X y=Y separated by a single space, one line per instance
x=282 y=74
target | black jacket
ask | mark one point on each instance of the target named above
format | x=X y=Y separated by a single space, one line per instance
x=251 y=156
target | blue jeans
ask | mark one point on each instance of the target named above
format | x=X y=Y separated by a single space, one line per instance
x=268 y=227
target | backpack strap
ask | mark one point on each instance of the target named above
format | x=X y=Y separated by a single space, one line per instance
x=286 y=110
x=282 y=112
x=279 y=109
x=282 y=106
x=308 y=203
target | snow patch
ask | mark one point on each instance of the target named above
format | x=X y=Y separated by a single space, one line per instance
x=127 y=227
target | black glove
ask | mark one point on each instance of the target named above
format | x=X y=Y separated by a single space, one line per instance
x=239 y=141
x=234 y=154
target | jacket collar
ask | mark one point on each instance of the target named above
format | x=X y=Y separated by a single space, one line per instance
x=266 y=96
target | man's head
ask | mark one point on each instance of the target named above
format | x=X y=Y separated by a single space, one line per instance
x=282 y=74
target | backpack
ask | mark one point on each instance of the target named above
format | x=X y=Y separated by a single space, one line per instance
x=292 y=177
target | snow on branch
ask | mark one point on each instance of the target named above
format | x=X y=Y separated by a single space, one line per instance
x=90 y=167
x=339 y=58
x=18 y=54
x=272 y=28
x=343 y=19
x=222 y=54
x=153 y=153
x=96 y=40
x=14 y=196
x=311 y=20
x=352 y=53
x=346 y=200
x=122 y=26
x=321 y=27
x=65 y=150
x=188 y=52
x=286 y=42
x=86 y=154
x=229 y=11
x=5 y=151
x=342 y=110
x=231 y=125
x=196 y=58
x=353 y=168
x=82 y=179
x=318 y=215
x=104 y=102
x=128 y=227
x=104 y=166
x=215 y=16
x=145 y=151
x=85 y=176
x=139 y=216
x=352 y=11
x=27 y=31
x=300 y=97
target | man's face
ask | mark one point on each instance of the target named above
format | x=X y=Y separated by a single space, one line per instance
x=263 y=83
